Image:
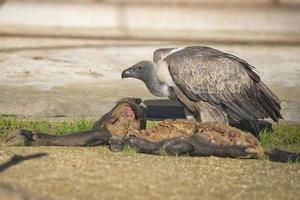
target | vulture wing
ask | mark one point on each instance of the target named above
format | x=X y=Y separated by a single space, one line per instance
x=223 y=80
x=160 y=54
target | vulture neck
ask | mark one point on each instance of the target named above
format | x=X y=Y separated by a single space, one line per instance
x=156 y=87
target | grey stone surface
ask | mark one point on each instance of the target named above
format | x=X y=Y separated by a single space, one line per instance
x=40 y=80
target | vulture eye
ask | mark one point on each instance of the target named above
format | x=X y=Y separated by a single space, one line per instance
x=139 y=67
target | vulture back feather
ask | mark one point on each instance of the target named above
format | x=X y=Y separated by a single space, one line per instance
x=226 y=82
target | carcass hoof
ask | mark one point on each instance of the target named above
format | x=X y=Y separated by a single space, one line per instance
x=20 y=137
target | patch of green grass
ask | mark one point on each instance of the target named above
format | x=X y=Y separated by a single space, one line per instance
x=8 y=124
x=76 y=125
x=129 y=150
x=151 y=124
x=281 y=136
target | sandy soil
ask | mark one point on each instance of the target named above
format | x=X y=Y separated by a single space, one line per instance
x=48 y=78
x=97 y=173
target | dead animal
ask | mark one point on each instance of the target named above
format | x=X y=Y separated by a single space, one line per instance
x=124 y=125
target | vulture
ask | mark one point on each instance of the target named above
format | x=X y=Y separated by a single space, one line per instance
x=212 y=85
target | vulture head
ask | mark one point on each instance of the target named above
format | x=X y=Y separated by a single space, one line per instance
x=141 y=71
x=146 y=72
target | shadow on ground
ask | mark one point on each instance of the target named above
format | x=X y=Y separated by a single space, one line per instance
x=16 y=159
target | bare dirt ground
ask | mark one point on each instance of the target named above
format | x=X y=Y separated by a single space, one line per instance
x=97 y=173
x=59 y=77
x=64 y=77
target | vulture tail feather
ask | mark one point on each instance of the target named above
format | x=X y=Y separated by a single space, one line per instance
x=267 y=91
x=270 y=102
x=234 y=107
x=267 y=107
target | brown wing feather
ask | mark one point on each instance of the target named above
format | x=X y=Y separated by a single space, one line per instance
x=205 y=74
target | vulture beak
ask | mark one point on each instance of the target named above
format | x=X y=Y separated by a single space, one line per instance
x=127 y=73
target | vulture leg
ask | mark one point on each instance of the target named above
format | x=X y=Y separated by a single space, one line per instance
x=254 y=128
x=85 y=138
x=210 y=113
x=250 y=126
x=188 y=114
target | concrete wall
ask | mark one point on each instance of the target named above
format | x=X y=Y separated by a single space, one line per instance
x=220 y=21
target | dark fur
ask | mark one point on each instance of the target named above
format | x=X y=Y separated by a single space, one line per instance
x=134 y=104
x=279 y=155
x=84 y=138
x=192 y=146
x=97 y=136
